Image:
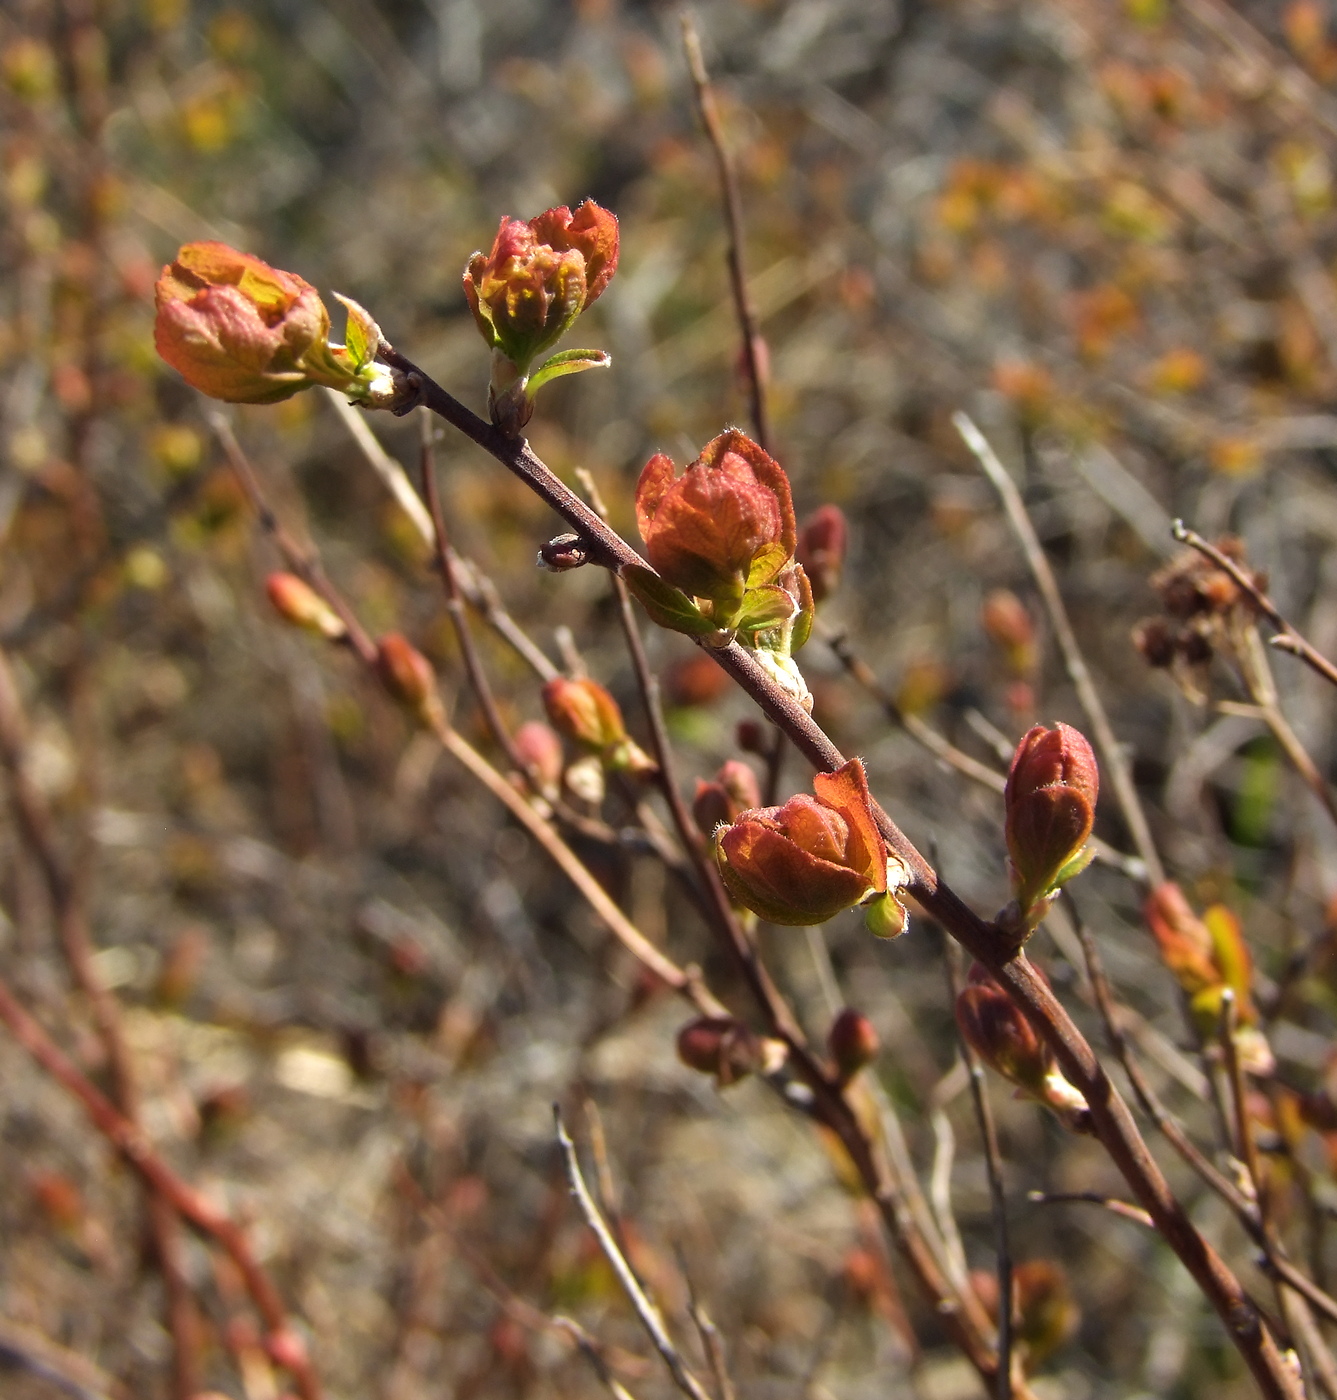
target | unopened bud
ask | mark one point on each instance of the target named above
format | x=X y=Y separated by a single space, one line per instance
x=1008 y=625
x=734 y=791
x=585 y=712
x=563 y=553
x=407 y=674
x=821 y=550
x=720 y=1046
x=540 y=750
x=853 y=1042
x=1050 y=805
x=298 y=603
x=751 y=737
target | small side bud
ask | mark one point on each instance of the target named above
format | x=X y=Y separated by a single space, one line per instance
x=734 y=791
x=563 y=553
x=853 y=1043
x=751 y=737
x=584 y=712
x=298 y=603
x=407 y=674
x=540 y=750
x=822 y=542
x=1008 y=625
x=723 y=1047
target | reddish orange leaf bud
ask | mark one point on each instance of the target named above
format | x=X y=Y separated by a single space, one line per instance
x=298 y=603
x=821 y=550
x=1185 y=942
x=407 y=674
x=244 y=332
x=1050 y=804
x=853 y=1042
x=724 y=526
x=585 y=712
x=999 y=1033
x=588 y=715
x=540 y=750
x=726 y=1048
x=733 y=792
x=1008 y=625
x=804 y=862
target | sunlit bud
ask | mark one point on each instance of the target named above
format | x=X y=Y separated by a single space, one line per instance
x=244 y=332
x=540 y=750
x=853 y=1042
x=588 y=715
x=408 y=676
x=1050 y=804
x=585 y=712
x=298 y=603
x=821 y=550
x=1184 y=941
x=733 y=792
x=726 y=525
x=1008 y=625
x=727 y=1049
x=526 y=293
x=804 y=862
x=562 y=553
x=999 y=1033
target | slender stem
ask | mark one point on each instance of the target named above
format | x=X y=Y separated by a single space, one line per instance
x=754 y=350
x=134 y=1146
x=1287 y=638
x=1111 y=1203
x=649 y=1315
x=1111 y=754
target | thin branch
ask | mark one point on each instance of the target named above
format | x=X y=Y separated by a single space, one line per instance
x=645 y=1309
x=1287 y=638
x=130 y=1141
x=754 y=350
x=589 y=1349
x=993 y=1161
x=1111 y=1203
x=711 y=1341
x=1111 y=754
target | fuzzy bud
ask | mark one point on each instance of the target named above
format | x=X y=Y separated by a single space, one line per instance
x=853 y=1043
x=1050 y=804
x=407 y=674
x=298 y=603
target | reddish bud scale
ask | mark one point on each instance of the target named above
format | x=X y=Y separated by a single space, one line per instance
x=407 y=674
x=853 y=1042
x=540 y=750
x=585 y=712
x=733 y=792
x=1008 y=625
x=1184 y=941
x=804 y=862
x=298 y=603
x=821 y=550
x=720 y=1046
x=999 y=1033
x=1050 y=803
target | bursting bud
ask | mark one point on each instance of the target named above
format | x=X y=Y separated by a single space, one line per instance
x=722 y=538
x=299 y=603
x=853 y=1043
x=804 y=862
x=407 y=674
x=1008 y=625
x=563 y=553
x=540 y=750
x=997 y=1030
x=1050 y=805
x=727 y=1049
x=589 y=716
x=733 y=792
x=821 y=550
x=528 y=291
x=244 y=332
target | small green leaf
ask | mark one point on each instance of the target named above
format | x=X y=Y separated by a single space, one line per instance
x=362 y=336
x=806 y=610
x=567 y=362
x=764 y=608
x=668 y=606
x=766 y=564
